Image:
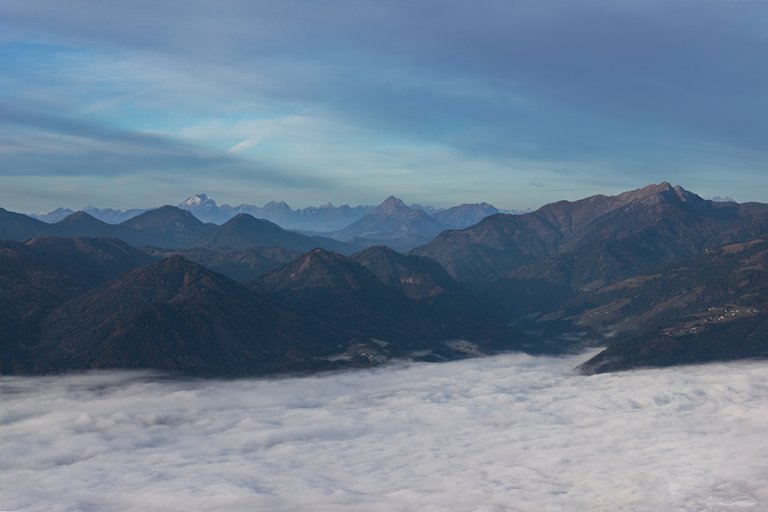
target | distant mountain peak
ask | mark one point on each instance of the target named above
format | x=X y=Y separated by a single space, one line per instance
x=278 y=204
x=165 y=212
x=465 y=215
x=197 y=200
x=246 y=219
x=393 y=222
x=656 y=192
x=654 y=189
x=78 y=216
x=391 y=204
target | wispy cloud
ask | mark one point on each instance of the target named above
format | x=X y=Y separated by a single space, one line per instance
x=632 y=92
x=35 y=144
x=505 y=433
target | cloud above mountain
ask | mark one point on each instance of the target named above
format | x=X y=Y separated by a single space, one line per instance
x=511 y=432
x=516 y=103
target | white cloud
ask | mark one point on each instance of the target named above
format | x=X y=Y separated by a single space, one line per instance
x=511 y=432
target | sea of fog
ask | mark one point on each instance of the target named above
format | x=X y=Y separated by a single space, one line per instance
x=511 y=432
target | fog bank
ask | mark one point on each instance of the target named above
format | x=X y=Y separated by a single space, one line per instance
x=511 y=432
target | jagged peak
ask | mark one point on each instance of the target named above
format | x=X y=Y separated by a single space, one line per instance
x=647 y=192
x=391 y=204
x=663 y=192
x=653 y=188
x=198 y=200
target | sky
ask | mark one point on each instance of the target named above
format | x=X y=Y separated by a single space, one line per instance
x=492 y=434
x=518 y=103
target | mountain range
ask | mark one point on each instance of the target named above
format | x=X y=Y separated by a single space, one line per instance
x=322 y=219
x=392 y=222
x=658 y=275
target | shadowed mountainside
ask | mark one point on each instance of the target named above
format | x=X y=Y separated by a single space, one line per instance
x=712 y=308
x=241 y=265
x=177 y=315
x=42 y=273
x=345 y=294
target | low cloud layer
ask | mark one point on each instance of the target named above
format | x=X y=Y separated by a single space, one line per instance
x=511 y=432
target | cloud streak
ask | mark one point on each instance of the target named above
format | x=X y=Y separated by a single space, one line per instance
x=35 y=144
x=631 y=92
x=511 y=432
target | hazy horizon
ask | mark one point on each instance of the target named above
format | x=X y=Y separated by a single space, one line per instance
x=322 y=203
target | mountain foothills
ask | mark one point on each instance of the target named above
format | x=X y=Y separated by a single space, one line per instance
x=658 y=275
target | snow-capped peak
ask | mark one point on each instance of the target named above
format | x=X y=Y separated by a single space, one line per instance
x=198 y=200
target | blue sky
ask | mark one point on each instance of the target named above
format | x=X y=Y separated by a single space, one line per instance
x=141 y=103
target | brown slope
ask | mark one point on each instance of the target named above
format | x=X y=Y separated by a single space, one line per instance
x=742 y=338
x=712 y=308
x=598 y=237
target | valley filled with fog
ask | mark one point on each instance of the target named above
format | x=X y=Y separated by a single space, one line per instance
x=510 y=432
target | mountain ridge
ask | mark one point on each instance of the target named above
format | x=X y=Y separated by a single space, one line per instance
x=500 y=244
x=392 y=223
